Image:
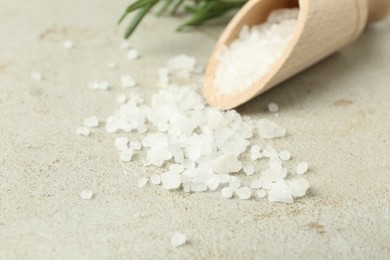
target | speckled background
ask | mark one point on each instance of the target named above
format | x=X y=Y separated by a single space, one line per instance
x=336 y=113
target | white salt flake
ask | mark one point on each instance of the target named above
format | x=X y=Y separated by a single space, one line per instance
x=302 y=167
x=135 y=145
x=141 y=183
x=298 y=187
x=127 y=81
x=92 y=121
x=234 y=183
x=155 y=179
x=84 y=131
x=98 y=85
x=171 y=180
x=126 y=155
x=226 y=163
x=86 y=194
x=269 y=130
x=68 y=44
x=244 y=193
x=133 y=54
x=280 y=192
x=261 y=193
x=182 y=63
x=227 y=192
x=249 y=169
x=121 y=99
x=273 y=108
x=121 y=143
x=285 y=155
x=256 y=184
x=36 y=75
x=178 y=239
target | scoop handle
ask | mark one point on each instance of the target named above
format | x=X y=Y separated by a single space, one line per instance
x=378 y=10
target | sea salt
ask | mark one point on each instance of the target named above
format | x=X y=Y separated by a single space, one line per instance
x=244 y=193
x=261 y=193
x=227 y=192
x=141 y=183
x=298 y=187
x=121 y=143
x=127 y=81
x=86 y=194
x=84 y=131
x=133 y=54
x=302 y=167
x=171 y=180
x=121 y=99
x=269 y=130
x=178 y=239
x=285 y=155
x=280 y=192
x=155 y=179
x=257 y=48
x=249 y=169
x=68 y=44
x=98 y=85
x=273 y=108
x=226 y=163
x=36 y=75
x=126 y=155
x=92 y=121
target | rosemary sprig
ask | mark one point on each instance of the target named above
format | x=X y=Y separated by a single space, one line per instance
x=200 y=11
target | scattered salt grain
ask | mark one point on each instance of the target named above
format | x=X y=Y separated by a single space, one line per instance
x=68 y=44
x=121 y=99
x=261 y=193
x=244 y=193
x=302 y=167
x=178 y=239
x=112 y=65
x=280 y=192
x=249 y=169
x=237 y=68
x=127 y=81
x=92 y=121
x=182 y=64
x=135 y=145
x=86 y=194
x=133 y=54
x=98 y=85
x=255 y=152
x=171 y=180
x=298 y=187
x=226 y=163
x=256 y=184
x=285 y=155
x=141 y=183
x=36 y=75
x=227 y=192
x=273 y=108
x=269 y=130
x=121 y=143
x=84 y=131
x=155 y=179
x=234 y=183
x=126 y=155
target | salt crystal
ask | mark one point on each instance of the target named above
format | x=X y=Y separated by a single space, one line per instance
x=155 y=179
x=121 y=99
x=224 y=178
x=285 y=155
x=256 y=184
x=121 y=143
x=244 y=193
x=270 y=152
x=68 y=44
x=178 y=239
x=126 y=155
x=133 y=54
x=181 y=63
x=36 y=75
x=92 y=121
x=298 y=187
x=127 y=81
x=226 y=163
x=273 y=107
x=302 y=167
x=98 y=85
x=280 y=192
x=237 y=68
x=86 y=194
x=255 y=152
x=142 y=182
x=227 y=192
x=249 y=169
x=112 y=65
x=234 y=183
x=83 y=131
x=269 y=130
x=261 y=193
x=171 y=180
x=135 y=145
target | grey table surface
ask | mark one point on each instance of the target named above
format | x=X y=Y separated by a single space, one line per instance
x=336 y=113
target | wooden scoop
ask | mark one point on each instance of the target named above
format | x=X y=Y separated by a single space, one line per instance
x=324 y=27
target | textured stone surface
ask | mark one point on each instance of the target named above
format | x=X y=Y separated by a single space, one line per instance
x=336 y=114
